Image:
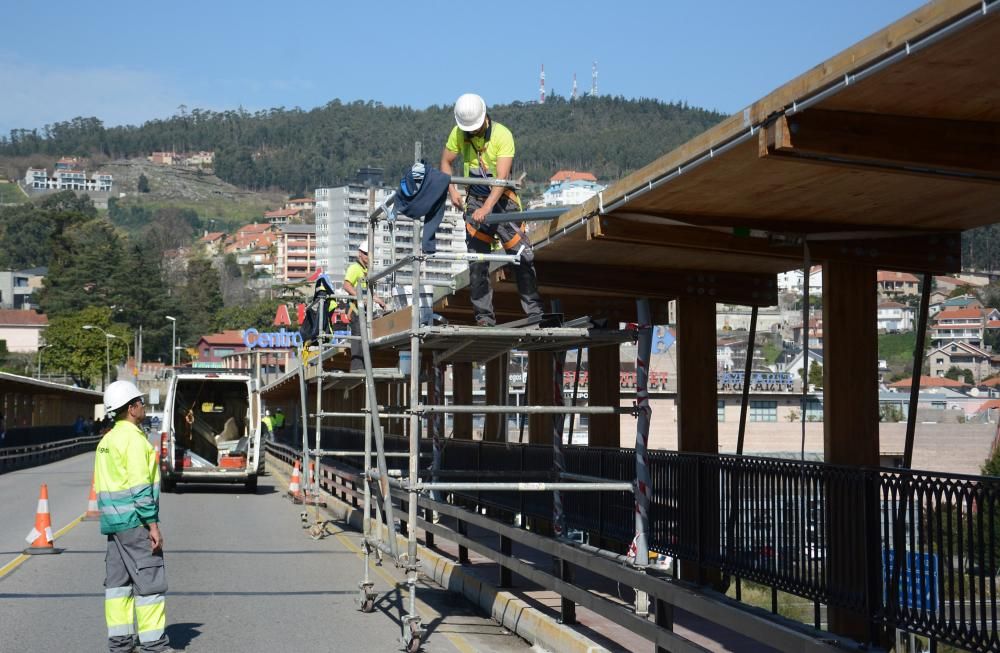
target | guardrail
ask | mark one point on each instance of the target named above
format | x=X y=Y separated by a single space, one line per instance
x=12 y=458
x=779 y=523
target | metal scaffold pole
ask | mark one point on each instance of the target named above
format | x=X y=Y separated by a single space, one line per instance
x=643 y=490
x=411 y=622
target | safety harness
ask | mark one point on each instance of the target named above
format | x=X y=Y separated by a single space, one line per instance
x=507 y=192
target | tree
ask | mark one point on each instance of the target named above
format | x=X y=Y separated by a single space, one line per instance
x=82 y=269
x=259 y=315
x=200 y=299
x=816 y=374
x=80 y=352
x=143 y=185
x=956 y=373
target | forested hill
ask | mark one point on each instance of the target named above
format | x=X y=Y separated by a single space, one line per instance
x=296 y=150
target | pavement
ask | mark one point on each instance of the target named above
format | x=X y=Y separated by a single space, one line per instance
x=243 y=576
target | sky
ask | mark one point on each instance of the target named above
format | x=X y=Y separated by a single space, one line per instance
x=129 y=62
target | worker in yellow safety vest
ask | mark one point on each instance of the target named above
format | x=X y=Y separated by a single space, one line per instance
x=127 y=482
x=487 y=150
x=268 y=422
x=355 y=280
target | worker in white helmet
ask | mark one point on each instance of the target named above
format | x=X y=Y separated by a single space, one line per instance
x=487 y=150
x=127 y=483
x=355 y=280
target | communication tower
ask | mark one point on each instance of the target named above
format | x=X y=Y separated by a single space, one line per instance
x=593 y=80
x=574 y=86
x=541 y=88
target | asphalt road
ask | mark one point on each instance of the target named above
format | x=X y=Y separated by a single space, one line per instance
x=243 y=576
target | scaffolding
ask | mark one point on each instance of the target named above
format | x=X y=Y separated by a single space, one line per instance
x=443 y=345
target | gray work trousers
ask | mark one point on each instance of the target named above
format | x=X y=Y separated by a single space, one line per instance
x=480 y=290
x=134 y=589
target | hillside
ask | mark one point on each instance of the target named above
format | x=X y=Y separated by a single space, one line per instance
x=296 y=150
x=174 y=187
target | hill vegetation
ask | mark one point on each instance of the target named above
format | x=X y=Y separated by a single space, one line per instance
x=296 y=150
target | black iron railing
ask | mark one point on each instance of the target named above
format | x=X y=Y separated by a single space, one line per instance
x=839 y=536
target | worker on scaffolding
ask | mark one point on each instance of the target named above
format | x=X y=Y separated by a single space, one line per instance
x=355 y=278
x=487 y=150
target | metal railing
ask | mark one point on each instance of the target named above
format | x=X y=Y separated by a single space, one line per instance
x=780 y=523
x=19 y=457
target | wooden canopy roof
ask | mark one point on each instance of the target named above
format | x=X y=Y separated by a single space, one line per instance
x=881 y=155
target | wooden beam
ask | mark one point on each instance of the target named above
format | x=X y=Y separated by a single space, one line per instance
x=935 y=252
x=541 y=385
x=458 y=308
x=911 y=145
x=850 y=425
x=604 y=389
x=697 y=410
x=626 y=282
x=496 y=394
x=461 y=392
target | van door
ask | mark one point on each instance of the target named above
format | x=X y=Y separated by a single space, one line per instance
x=253 y=429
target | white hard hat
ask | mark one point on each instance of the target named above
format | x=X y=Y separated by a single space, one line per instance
x=267 y=412
x=363 y=247
x=470 y=112
x=119 y=394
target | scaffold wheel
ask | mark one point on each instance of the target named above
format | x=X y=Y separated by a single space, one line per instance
x=414 y=640
x=368 y=605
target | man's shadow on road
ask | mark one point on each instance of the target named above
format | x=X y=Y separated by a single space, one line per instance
x=181 y=634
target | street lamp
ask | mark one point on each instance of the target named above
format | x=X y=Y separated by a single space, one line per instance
x=173 y=341
x=128 y=350
x=40 y=348
x=107 y=351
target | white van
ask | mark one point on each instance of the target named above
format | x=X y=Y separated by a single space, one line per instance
x=211 y=429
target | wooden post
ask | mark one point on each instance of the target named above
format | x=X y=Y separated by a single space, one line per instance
x=496 y=391
x=850 y=423
x=603 y=389
x=540 y=389
x=461 y=392
x=697 y=416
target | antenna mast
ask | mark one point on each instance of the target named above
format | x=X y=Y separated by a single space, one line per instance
x=541 y=88
x=574 y=86
x=593 y=80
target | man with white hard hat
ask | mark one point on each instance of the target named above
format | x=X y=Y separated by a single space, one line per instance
x=127 y=482
x=355 y=279
x=487 y=150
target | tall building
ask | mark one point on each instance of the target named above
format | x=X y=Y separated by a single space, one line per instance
x=296 y=255
x=341 y=225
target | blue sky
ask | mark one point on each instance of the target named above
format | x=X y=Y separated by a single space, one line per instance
x=128 y=62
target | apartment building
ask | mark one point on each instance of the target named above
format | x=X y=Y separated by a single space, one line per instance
x=67 y=179
x=962 y=325
x=569 y=187
x=341 y=225
x=894 y=317
x=296 y=252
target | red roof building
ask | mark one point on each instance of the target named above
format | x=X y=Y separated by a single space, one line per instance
x=931 y=382
x=572 y=175
x=22 y=329
x=213 y=348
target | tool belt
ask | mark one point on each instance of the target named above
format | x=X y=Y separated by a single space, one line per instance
x=487 y=238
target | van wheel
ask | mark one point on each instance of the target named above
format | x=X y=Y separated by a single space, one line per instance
x=251 y=485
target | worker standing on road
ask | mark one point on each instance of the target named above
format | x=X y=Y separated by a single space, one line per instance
x=127 y=481
x=356 y=278
x=278 y=421
x=268 y=423
x=487 y=150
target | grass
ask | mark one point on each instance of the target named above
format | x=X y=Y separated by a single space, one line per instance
x=11 y=193
x=897 y=348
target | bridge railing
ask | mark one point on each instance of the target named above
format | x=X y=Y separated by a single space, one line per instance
x=19 y=457
x=783 y=524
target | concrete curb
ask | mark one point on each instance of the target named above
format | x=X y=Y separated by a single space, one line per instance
x=505 y=608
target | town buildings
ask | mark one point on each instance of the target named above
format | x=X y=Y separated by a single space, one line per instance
x=22 y=329
x=295 y=259
x=341 y=225
x=38 y=179
x=569 y=187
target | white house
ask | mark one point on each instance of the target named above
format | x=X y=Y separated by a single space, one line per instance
x=894 y=317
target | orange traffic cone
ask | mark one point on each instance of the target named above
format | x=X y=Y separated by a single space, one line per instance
x=294 y=489
x=40 y=538
x=93 y=513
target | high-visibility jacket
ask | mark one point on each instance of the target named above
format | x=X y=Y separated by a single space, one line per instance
x=278 y=420
x=268 y=422
x=126 y=479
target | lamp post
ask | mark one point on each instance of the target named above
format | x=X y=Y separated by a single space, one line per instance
x=40 y=348
x=107 y=352
x=173 y=341
x=128 y=350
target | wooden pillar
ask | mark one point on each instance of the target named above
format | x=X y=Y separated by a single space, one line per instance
x=461 y=392
x=850 y=428
x=539 y=392
x=603 y=389
x=496 y=394
x=697 y=419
